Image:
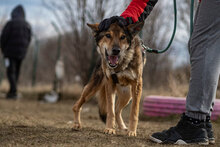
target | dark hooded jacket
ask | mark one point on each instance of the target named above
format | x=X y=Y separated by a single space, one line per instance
x=16 y=35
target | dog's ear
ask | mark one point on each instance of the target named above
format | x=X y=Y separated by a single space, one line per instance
x=135 y=28
x=94 y=27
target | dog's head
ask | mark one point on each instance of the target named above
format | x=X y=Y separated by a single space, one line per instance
x=114 y=42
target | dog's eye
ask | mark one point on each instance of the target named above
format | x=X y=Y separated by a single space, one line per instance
x=108 y=35
x=122 y=37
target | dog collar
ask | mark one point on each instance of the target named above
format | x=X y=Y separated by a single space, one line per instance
x=114 y=78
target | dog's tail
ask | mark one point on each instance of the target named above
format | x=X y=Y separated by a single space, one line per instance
x=102 y=104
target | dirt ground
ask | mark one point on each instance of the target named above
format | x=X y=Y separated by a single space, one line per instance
x=27 y=122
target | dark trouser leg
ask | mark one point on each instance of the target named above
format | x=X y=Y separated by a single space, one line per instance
x=13 y=73
x=204 y=48
x=18 y=67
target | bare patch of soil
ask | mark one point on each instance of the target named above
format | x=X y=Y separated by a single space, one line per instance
x=27 y=122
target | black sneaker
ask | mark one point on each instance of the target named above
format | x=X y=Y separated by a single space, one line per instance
x=185 y=132
x=209 y=130
x=12 y=96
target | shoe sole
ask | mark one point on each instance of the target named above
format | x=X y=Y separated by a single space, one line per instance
x=212 y=141
x=178 y=142
x=155 y=140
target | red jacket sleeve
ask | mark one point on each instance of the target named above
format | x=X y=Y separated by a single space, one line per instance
x=138 y=10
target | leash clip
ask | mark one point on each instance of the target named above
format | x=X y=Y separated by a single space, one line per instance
x=148 y=49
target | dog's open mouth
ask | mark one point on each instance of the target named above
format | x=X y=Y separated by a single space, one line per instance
x=112 y=60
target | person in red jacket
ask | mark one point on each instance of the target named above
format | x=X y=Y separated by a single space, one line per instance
x=204 y=49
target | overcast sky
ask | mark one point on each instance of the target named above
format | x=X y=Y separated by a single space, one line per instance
x=36 y=14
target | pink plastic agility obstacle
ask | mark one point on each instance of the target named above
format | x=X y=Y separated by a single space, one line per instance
x=165 y=106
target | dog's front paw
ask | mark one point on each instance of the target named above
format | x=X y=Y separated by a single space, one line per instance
x=132 y=133
x=76 y=127
x=109 y=131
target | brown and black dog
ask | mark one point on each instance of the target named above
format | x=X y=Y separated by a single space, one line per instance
x=119 y=72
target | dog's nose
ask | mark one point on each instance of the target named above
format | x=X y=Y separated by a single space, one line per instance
x=115 y=51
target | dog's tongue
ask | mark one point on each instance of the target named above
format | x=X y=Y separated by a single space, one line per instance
x=113 y=59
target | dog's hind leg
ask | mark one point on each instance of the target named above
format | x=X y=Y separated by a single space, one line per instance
x=124 y=96
x=87 y=93
x=89 y=90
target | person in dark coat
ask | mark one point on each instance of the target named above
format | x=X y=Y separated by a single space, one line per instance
x=15 y=39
